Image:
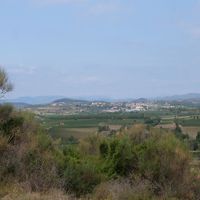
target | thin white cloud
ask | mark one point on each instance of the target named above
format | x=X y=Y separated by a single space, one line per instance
x=21 y=70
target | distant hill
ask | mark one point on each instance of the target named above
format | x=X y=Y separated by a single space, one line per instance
x=33 y=100
x=18 y=104
x=42 y=100
x=184 y=97
x=140 y=100
x=21 y=105
x=70 y=101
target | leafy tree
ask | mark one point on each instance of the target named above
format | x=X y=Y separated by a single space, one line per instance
x=5 y=85
x=179 y=134
x=9 y=123
x=178 y=129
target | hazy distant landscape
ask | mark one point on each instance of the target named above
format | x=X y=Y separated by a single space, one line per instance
x=84 y=132
x=50 y=99
x=99 y=100
x=69 y=117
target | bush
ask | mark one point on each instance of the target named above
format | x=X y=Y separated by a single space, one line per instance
x=81 y=178
x=6 y=111
x=121 y=159
x=72 y=140
x=104 y=149
x=164 y=161
x=44 y=142
x=11 y=123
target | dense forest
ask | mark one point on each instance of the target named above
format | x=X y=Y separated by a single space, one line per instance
x=139 y=162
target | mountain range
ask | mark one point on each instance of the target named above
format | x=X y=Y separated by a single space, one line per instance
x=39 y=100
x=184 y=97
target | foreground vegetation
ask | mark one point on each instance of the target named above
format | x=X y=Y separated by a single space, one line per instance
x=141 y=162
x=136 y=162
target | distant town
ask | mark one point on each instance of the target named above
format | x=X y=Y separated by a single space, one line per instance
x=71 y=106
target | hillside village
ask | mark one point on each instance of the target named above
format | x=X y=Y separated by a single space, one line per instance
x=66 y=107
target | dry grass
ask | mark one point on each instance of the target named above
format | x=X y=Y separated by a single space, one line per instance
x=191 y=131
x=123 y=190
x=18 y=194
x=115 y=127
x=81 y=132
x=171 y=126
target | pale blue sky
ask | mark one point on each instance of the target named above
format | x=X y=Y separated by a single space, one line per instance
x=112 y=48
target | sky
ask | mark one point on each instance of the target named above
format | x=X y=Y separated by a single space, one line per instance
x=104 y=48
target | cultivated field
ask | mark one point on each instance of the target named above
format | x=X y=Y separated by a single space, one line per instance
x=83 y=125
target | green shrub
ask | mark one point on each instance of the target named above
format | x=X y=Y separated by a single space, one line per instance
x=72 y=140
x=39 y=170
x=44 y=142
x=81 y=178
x=11 y=123
x=121 y=159
x=6 y=111
x=164 y=160
x=104 y=149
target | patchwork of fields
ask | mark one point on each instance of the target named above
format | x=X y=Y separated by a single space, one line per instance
x=84 y=125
